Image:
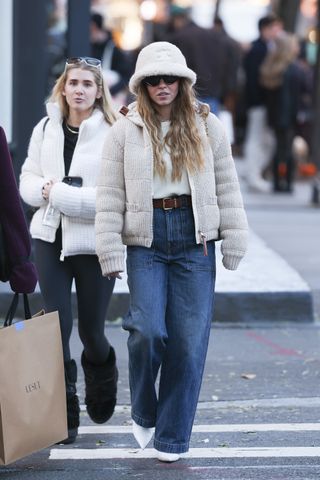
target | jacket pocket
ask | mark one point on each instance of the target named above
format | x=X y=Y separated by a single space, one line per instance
x=209 y=217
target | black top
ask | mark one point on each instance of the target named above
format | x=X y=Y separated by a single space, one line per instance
x=70 y=141
x=255 y=93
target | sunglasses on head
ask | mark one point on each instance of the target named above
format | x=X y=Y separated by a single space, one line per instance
x=92 y=62
x=154 y=80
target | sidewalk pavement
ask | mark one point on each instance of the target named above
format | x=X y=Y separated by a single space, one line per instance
x=266 y=287
x=290 y=225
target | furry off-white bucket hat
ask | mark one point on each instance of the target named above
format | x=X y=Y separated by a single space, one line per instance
x=160 y=58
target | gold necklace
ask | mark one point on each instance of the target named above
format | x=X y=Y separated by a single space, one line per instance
x=70 y=129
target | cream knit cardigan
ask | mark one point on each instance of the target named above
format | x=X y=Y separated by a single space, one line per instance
x=45 y=161
x=124 y=193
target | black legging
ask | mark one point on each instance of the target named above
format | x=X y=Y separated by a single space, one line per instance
x=93 y=294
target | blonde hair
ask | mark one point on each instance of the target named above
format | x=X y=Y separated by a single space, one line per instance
x=277 y=61
x=183 y=138
x=104 y=103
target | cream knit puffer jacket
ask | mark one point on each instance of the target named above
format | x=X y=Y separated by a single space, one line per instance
x=45 y=161
x=124 y=194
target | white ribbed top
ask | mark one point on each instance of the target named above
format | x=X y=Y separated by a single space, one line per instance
x=164 y=187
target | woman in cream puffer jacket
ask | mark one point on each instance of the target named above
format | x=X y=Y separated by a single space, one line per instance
x=168 y=189
x=216 y=198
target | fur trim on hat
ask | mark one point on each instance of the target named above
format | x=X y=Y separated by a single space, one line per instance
x=160 y=58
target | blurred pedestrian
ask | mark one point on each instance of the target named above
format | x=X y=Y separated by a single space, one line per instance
x=207 y=53
x=20 y=271
x=59 y=177
x=168 y=190
x=305 y=114
x=259 y=141
x=117 y=65
x=284 y=81
x=233 y=65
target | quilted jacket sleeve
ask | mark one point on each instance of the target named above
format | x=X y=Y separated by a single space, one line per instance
x=74 y=201
x=111 y=202
x=31 y=178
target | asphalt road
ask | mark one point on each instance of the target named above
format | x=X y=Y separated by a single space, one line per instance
x=259 y=410
x=258 y=416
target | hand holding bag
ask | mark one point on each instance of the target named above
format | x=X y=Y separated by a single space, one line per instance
x=32 y=385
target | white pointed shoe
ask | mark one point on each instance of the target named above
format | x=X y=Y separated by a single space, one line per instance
x=141 y=434
x=167 y=457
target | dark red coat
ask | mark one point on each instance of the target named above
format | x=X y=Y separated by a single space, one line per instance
x=23 y=277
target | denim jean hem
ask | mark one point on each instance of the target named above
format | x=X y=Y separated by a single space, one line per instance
x=142 y=421
x=170 y=448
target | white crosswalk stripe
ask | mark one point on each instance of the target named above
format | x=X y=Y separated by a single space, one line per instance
x=252 y=427
x=126 y=453
x=209 y=452
x=290 y=402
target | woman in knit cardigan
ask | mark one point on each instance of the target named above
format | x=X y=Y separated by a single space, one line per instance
x=168 y=189
x=59 y=177
x=20 y=271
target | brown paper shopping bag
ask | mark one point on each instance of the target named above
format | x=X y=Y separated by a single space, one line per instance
x=32 y=386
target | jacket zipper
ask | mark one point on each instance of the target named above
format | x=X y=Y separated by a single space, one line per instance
x=61 y=216
x=62 y=229
x=204 y=243
x=195 y=213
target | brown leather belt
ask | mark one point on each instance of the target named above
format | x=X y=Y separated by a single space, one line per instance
x=172 y=202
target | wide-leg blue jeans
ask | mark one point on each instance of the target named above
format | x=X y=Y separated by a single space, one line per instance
x=171 y=300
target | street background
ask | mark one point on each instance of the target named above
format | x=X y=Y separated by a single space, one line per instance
x=259 y=411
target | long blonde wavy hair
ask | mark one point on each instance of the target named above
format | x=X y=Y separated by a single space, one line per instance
x=182 y=139
x=104 y=103
x=272 y=69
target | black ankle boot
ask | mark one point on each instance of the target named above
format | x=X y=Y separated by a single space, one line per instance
x=73 y=408
x=101 y=387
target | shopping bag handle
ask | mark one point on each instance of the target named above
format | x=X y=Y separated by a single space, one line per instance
x=13 y=308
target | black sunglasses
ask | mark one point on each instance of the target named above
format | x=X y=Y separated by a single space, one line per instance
x=154 y=80
x=92 y=62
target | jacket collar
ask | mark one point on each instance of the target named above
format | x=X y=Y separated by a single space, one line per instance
x=91 y=123
x=131 y=113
